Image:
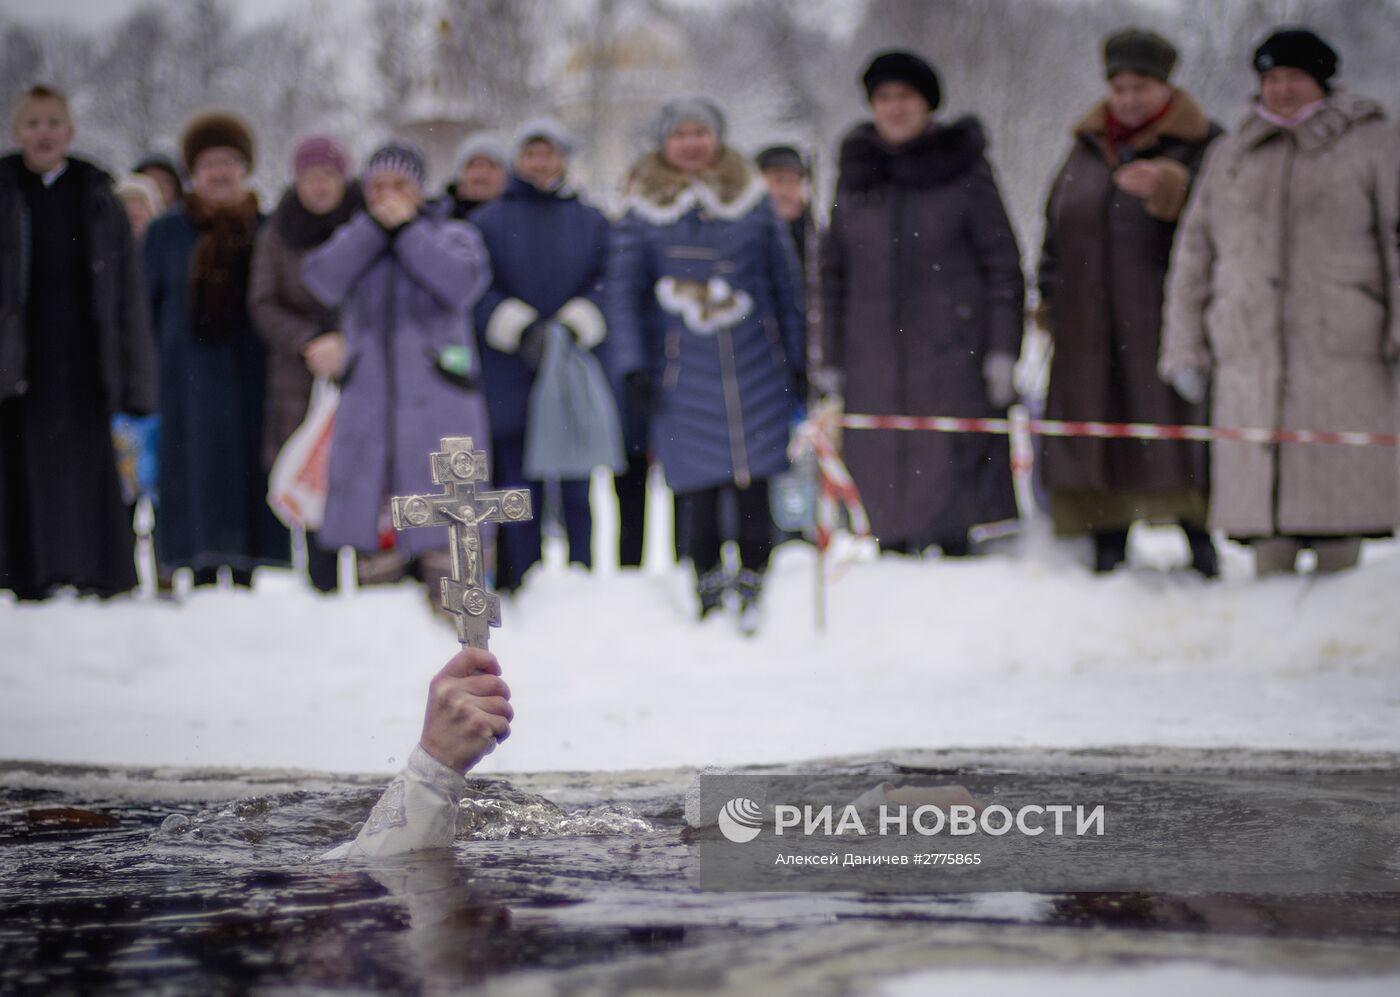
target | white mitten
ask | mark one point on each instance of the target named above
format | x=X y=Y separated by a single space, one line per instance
x=999 y=370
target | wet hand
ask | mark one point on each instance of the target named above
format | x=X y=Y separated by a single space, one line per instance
x=325 y=355
x=1139 y=178
x=468 y=710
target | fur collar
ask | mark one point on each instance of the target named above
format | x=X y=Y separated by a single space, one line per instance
x=942 y=153
x=1184 y=120
x=663 y=195
x=1342 y=112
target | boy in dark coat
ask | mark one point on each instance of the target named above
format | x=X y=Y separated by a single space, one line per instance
x=75 y=349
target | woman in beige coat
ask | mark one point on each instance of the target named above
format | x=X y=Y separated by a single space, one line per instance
x=1282 y=296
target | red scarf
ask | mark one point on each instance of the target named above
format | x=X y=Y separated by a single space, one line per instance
x=1116 y=133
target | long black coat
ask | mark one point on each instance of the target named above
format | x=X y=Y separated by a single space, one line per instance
x=1101 y=278
x=921 y=279
x=75 y=347
x=126 y=349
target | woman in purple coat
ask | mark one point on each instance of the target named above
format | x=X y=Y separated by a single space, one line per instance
x=404 y=276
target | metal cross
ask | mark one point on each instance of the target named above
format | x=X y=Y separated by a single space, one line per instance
x=461 y=508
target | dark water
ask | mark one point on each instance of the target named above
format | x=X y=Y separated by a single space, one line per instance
x=145 y=881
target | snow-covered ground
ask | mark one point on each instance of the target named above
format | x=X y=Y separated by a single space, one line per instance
x=609 y=670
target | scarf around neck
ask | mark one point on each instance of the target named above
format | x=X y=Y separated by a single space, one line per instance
x=219 y=266
x=1116 y=133
x=1304 y=113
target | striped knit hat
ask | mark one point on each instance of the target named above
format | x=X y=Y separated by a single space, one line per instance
x=402 y=158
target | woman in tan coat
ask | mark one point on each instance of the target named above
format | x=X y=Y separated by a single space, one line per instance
x=1282 y=298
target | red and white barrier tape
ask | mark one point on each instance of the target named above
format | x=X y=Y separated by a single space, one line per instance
x=837 y=489
x=834 y=485
x=1115 y=430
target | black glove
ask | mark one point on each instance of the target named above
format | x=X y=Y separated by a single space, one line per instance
x=532 y=342
x=639 y=389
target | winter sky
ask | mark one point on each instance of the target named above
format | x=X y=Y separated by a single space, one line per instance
x=102 y=13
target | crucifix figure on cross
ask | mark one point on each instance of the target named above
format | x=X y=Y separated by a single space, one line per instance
x=462 y=509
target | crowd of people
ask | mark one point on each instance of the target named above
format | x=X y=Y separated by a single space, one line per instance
x=1188 y=274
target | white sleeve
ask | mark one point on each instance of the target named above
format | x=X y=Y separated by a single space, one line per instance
x=418 y=811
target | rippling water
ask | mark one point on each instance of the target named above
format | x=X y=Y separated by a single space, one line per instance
x=182 y=881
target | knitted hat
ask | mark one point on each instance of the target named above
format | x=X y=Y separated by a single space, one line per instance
x=402 y=158
x=674 y=112
x=320 y=150
x=216 y=130
x=548 y=130
x=159 y=161
x=780 y=157
x=907 y=68
x=139 y=187
x=1134 y=50
x=486 y=144
x=1300 y=49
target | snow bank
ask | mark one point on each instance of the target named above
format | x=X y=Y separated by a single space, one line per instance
x=609 y=671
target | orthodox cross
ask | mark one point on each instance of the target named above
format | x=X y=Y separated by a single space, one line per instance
x=462 y=509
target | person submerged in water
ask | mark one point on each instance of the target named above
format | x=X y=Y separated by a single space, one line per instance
x=467 y=715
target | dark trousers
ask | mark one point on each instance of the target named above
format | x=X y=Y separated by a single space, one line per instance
x=518 y=545
x=321 y=565
x=701 y=513
x=631 y=488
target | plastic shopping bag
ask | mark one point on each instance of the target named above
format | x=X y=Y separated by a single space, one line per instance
x=300 y=476
x=572 y=426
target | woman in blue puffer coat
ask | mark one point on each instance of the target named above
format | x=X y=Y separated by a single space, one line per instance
x=704 y=305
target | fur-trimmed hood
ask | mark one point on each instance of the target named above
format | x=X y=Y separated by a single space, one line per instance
x=1184 y=120
x=940 y=154
x=663 y=195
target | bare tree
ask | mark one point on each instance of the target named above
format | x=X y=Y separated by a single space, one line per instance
x=399 y=55
x=489 y=54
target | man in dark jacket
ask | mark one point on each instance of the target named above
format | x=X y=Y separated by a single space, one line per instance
x=785 y=172
x=75 y=349
x=548 y=253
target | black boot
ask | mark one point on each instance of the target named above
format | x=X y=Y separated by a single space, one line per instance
x=710 y=588
x=1204 y=559
x=1110 y=550
x=748 y=585
x=957 y=546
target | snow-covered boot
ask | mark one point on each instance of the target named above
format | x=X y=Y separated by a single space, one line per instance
x=748 y=586
x=710 y=588
x=1204 y=559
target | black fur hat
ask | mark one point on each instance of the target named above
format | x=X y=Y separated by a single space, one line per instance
x=1300 y=49
x=907 y=68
